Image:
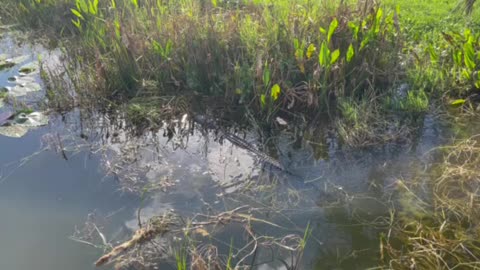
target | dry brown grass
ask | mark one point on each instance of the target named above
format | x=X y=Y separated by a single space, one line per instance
x=437 y=222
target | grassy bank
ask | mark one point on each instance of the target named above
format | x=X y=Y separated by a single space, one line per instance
x=301 y=57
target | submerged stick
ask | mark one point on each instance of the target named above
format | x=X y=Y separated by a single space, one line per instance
x=164 y=225
x=142 y=235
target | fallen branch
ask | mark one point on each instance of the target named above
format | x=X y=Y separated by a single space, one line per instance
x=142 y=235
x=163 y=224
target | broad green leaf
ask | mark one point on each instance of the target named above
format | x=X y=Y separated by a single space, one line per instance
x=334 y=57
x=466 y=74
x=266 y=76
x=350 y=53
x=82 y=5
x=331 y=29
x=114 y=4
x=323 y=31
x=457 y=57
x=311 y=49
x=117 y=29
x=135 y=3
x=467 y=34
x=378 y=19
x=77 y=23
x=469 y=56
x=91 y=9
x=168 y=48
x=379 y=14
x=95 y=4
x=458 y=102
x=275 y=92
x=263 y=100
x=355 y=28
x=432 y=53
x=364 y=43
x=214 y=3
x=324 y=55
x=157 y=47
x=296 y=43
x=77 y=13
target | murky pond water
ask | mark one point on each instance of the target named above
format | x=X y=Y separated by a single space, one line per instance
x=45 y=194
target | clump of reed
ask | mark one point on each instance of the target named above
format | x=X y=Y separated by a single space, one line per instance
x=436 y=223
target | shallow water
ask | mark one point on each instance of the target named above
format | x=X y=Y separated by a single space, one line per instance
x=44 y=197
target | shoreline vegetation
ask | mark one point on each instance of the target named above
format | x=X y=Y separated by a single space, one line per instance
x=348 y=61
x=374 y=69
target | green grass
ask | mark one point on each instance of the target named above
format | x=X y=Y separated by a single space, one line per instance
x=435 y=34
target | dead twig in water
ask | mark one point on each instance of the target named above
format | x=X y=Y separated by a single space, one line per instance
x=161 y=225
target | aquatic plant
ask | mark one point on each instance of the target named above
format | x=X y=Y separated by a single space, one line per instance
x=435 y=221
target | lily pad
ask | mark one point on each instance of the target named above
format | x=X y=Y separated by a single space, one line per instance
x=22 y=123
x=17 y=60
x=24 y=89
x=14 y=131
x=29 y=68
x=22 y=79
x=6 y=65
x=6 y=62
x=34 y=119
x=23 y=86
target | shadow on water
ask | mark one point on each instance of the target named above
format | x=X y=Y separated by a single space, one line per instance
x=88 y=163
